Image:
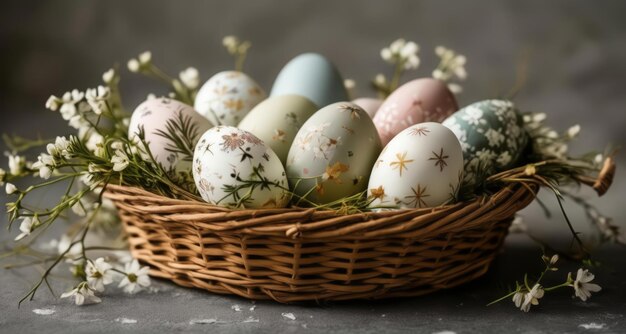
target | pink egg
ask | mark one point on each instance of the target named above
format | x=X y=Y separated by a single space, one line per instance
x=417 y=101
x=369 y=104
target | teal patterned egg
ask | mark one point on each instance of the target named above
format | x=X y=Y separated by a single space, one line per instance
x=492 y=137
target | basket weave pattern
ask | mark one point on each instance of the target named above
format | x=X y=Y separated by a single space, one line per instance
x=297 y=254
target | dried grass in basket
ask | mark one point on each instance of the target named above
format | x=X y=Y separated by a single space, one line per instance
x=296 y=254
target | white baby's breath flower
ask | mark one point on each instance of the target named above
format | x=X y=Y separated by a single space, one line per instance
x=99 y=274
x=133 y=65
x=82 y=294
x=45 y=165
x=450 y=65
x=109 y=76
x=53 y=103
x=136 y=277
x=583 y=286
x=380 y=80
x=231 y=43
x=97 y=98
x=69 y=101
x=145 y=58
x=455 y=88
x=573 y=131
x=402 y=52
x=27 y=226
x=95 y=142
x=518 y=298
x=60 y=148
x=349 y=84
x=79 y=123
x=532 y=297
x=10 y=188
x=190 y=78
x=16 y=164
x=119 y=160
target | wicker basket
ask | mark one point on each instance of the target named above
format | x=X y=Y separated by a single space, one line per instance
x=296 y=254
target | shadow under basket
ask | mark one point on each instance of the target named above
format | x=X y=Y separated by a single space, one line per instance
x=296 y=255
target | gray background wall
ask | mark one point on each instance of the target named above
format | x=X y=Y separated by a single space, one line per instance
x=576 y=51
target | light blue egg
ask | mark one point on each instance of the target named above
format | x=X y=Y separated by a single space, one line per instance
x=313 y=76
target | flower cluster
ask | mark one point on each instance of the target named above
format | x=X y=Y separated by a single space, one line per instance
x=401 y=53
x=547 y=142
x=403 y=56
x=98 y=274
x=238 y=49
x=185 y=87
x=451 y=66
x=527 y=294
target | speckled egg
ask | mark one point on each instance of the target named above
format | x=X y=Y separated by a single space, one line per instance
x=233 y=168
x=421 y=167
x=417 y=101
x=492 y=137
x=333 y=153
x=155 y=116
x=227 y=97
x=369 y=104
x=313 y=76
x=277 y=120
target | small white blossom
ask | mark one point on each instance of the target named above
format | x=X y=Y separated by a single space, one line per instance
x=532 y=297
x=69 y=101
x=99 y=274
x=95 y=143
x=380 y=80
x=109 y=76
x=518 y=298
x=573 y=131
x=53 y=103
x=119 y=160
x=27 y=226
x=45 y=164
x=79 y=123
x=60 y=148
x=190 y=78
x=349 y=84
x=145 y=58
x=97 y=99
x=136 y=277
x=82 y=294
x=231 y=43
x=583 y=286
x=402 y=52
x=16 y=164
x=133 y=65
x=451 y=65
x=10 y=188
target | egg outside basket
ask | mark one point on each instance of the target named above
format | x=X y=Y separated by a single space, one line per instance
x=295 y=254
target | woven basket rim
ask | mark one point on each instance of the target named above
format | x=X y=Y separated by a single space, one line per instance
x=323 y=224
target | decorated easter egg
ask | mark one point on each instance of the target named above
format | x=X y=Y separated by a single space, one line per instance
x=227 y=97
x=492 y=137
x=276 y=121
x=421 y=167
x=233 y=168
x=417 y=101
x=369 y=104
x=332 y=155
x=171 y=129
x=313 y=76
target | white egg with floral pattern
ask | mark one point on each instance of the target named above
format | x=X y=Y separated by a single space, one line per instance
x=421 y=167
x=235 y=169
x=227 y=97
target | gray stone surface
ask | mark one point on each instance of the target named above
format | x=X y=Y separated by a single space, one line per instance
x=576 y=73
